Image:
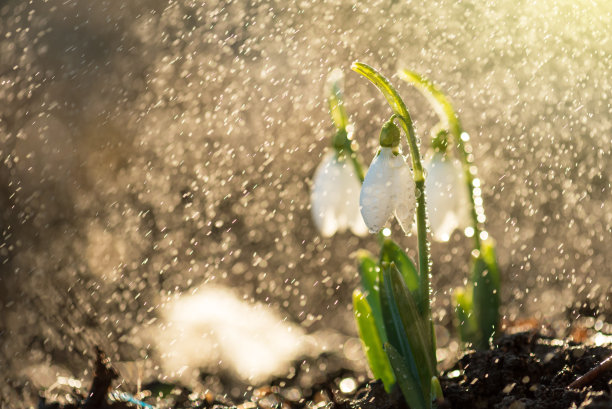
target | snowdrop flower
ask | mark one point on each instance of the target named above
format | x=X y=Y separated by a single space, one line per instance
x=447 y=198
x=334 y=199
x=388 y=187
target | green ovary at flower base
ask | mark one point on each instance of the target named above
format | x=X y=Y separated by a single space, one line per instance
x=478 y=304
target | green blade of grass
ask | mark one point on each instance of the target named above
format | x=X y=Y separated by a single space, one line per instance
x=372 y=344
x=392 y=252
x=396 y=333
x=368 y=270
x=485 y=277
x=408 y=384
x=436 y=389
x=468 y=330
x=416 y=328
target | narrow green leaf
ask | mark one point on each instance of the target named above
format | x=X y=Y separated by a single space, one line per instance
x=372 y=344
x=467 y=326
x=394 y=327
x=485 y=300
x=436 y=389
x=408 y=384
x=368 y=270
x=392 y=252
x=336 y=100
x=417 y=329
x=436 y=98
x=487 y=249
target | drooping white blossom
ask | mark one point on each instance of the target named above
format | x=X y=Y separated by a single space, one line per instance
x=334 y=198
x=447 y=196
x=388 y=190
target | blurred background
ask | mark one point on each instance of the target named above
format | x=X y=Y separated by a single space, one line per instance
x=153 y=150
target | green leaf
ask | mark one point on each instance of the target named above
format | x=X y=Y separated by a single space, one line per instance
x=408 y=384
x=372 y=344
x=394 y=327
x=336 y=100
x=487 y=249
x=368 y=270
x=391 y=252
x=436 y=389
x=486 y=281
x=436 y=98
x=466 y=323
x=417 y=329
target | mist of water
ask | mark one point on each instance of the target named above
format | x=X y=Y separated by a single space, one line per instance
x=151 y=148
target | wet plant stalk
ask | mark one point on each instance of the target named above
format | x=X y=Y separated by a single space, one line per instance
x=401 y=112
x=341 y=143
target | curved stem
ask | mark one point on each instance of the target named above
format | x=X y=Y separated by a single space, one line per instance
x=343 y=146
x=357 y=166
x=399 y=109
x=341 y=142
x=448 y=116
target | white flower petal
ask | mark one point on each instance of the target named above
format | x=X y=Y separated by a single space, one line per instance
x=347 y=195
x=444 y=227
x=324 y=196
x=463 y=209
x=376 y=200
x=335 y=197
x=403 y=194
x=349 y=211
x=445 y=196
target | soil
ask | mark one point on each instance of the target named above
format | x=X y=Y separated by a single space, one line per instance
x=523 y=371
x=526 y=371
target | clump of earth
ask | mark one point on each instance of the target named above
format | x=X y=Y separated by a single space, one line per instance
x=522 y=371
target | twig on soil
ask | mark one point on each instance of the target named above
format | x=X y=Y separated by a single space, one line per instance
x=590 y=376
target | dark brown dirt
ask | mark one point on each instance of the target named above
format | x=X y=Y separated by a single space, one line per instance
x=528 y=371
x=523 y=371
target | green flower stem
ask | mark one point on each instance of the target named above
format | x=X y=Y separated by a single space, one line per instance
x=399 y=109
x=449 y=117
x=341 y=143
x=357 y=166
